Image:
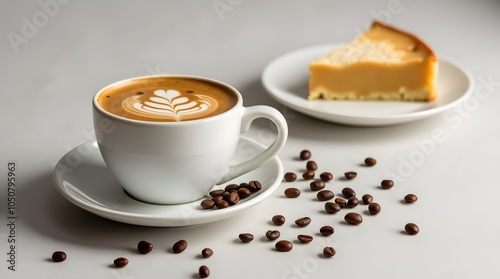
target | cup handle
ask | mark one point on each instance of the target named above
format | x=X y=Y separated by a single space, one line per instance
x=249 y=115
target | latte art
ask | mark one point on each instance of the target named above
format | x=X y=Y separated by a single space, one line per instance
x=170 y=104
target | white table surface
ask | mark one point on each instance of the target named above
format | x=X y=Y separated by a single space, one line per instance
x=56 y=55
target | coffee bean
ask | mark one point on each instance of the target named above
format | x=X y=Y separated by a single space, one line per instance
x=352 y=202
x=278 y=220
x=332 y=207
x=215 y=193
x=329 y=252
x=233 y=198
x=411 y=198
x=326 y=176
x=317 y=185
x=59 y=256
x=207 y=204
x=311 y=165
x=244 y=193
x=254 y=186
x=324 y=195
x=387 y=184
x=120 y=262
x=222 y=204
x=374 y=208
x=204 y=271
x=244 y=185
x=290 y=177
x=304 y=238
x=246 y=237
x=341 y=202
x=308 y=175
x=353 y=218
x=302 y=222
x=348 y=192
x=350 y=174
x=207 y=252
x=370 y=161
x=179 y=246
x=273 y=234
x=217 y=198
x=412 y=228
x=292 y=193
x=283 y=246
x=232 y=187
x=305 y=154
x=327 y=230
x=144 y=247
x=367 y=199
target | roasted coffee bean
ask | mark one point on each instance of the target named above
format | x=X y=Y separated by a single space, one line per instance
x=179 y=246
x=278 y=220
x=231 y=187
x=283 y=246
x=305 y=154
x=311 y=165
x=367 y=199
x=352 y=202
x=207 y=204
x=207 y=252
x=217 y=198
x=246 y=237
x=327 y=230
x=317 y=185
x=387 y=184
x=302 y=222
x=332 y=207
x=59 y=256
x=204 y=271
x=290 y=177
x=374 y=208
x=411 y=198
x=221 y=204
x=292 y=193
x=350 y=174
x=144 y=247
x=329 y=252
x=341 y=202
x=243 y=185
x=233 y=198
x=348 y=192
x=120 y=262
x=325 y=195
x=273 y=234
x=244 y=193
x=304 y=238
x=353 y=218
x=254 y=186
x=370 y=161
x=326 y=176
x=215 y=193
x=308 y=175
x=412 y=228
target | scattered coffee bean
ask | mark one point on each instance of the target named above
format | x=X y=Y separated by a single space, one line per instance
x=329 y=252
x=370 y=161
x=290 y=177
x=179 y=246
x=326 y=176
x=374 y=208
x=348 y=192
x=207 y=252
x=325 y=195
x=292 y=193
x=232 y=187
x=217 y=198
x=367 y=199
x=246 y=237
x=215 y=193
x=254 y=186
x=273 y=234
x=352 y=202
x=233 y=198
x=304 y=238
x=120 y=262
x=144 y=247
x=308 y=175
x=327 y=230
x=387 y=184
x=59 y=256
x=244 y=185
x=207 y=204
x=350 y=174
x=412 y=228
x=204 y=271
x=302 y=222
x=305 y=154
x=332 y=207
x=353 y=218
x=311 y=165
x=411 y=198
x=341 y=202
x=244 y=193
x=283 y=246
x=317 y=185
x=221 y=204
x=278 y=220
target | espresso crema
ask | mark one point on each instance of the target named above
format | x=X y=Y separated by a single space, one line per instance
x=166 y=99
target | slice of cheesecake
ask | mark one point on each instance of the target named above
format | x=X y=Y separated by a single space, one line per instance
x=383 y=63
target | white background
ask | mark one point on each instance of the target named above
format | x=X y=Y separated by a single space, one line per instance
x=50 y=70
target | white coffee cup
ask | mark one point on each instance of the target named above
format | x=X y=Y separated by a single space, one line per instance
x=179 y=162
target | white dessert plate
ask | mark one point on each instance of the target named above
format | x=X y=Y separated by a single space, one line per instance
x=82 y=177
x=287 y=78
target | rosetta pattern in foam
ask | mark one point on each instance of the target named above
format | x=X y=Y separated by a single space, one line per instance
x=171 y=105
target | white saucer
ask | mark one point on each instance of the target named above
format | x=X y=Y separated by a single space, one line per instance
x=287 y=77
x=82 y=177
